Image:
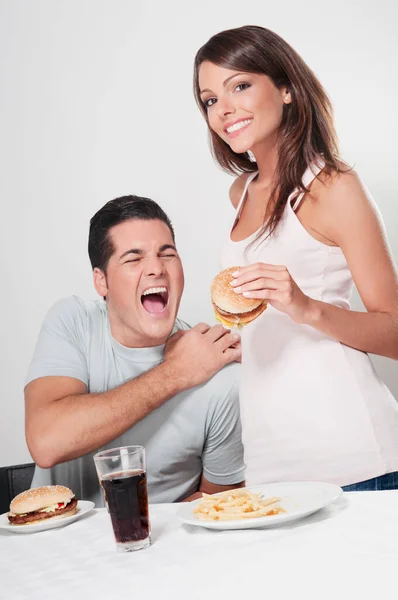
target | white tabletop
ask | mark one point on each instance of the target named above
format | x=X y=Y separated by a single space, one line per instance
x=347 y=551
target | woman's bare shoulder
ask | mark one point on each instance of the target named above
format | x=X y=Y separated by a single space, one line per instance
x=328 y=186
x=236 y=189
x=339 y=192
x=341 y=203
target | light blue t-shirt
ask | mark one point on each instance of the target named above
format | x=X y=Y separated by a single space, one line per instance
x=197 y=431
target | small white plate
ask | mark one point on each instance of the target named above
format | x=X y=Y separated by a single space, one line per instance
x=298 y=500
x=83 y=507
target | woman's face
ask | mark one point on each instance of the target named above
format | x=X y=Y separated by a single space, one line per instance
x=244 y=109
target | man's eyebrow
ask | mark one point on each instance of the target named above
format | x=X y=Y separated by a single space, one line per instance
x=141 y=252
x=131 y=251
x=167 y=247
x=225 y=82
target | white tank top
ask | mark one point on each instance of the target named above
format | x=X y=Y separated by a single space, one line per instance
x=312 y=408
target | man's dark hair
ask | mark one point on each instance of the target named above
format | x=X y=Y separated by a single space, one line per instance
x=125 y=208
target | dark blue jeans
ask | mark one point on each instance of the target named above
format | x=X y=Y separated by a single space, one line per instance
x=384 y=482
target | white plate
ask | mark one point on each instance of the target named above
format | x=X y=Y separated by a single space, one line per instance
x=83 y=507
x=298 y=500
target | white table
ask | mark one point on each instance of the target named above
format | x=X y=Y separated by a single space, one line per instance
x=347 y=551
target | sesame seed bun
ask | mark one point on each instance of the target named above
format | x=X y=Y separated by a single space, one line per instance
x=39 y=498
x=230 y=308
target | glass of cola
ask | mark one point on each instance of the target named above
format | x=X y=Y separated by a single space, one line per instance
x=122 y=475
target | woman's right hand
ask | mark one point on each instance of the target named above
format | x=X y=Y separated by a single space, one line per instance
x=274 y=284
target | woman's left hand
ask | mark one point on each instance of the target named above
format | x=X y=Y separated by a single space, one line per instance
x=274 y=284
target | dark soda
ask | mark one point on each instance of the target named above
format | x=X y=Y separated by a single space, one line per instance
x=127 y=499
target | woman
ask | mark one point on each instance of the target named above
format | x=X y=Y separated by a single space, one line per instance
x=312 y=405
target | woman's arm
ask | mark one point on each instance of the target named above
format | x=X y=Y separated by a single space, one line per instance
x=342 y=212
x=352 y=221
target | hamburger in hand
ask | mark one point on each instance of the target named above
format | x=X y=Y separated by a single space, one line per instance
x=38 y=504
x=232 y=309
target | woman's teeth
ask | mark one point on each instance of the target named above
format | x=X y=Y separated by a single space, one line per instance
x=239 y=125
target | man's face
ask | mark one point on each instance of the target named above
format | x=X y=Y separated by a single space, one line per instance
x=143 y=283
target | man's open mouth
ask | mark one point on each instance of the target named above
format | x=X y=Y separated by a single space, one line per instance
x=155 y=299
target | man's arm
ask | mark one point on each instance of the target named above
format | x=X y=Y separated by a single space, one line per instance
x=63 y=421
x=206 y=487
x=222 y=458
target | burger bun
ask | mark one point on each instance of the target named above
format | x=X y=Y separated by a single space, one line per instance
x=230 y=308
x=39 y=498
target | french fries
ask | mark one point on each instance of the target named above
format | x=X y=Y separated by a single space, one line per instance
x=235 y=504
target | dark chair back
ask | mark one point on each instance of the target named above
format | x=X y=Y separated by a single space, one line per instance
x=13 y=481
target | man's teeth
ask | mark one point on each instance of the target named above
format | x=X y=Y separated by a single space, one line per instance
x=239 y=125
x=155 y=290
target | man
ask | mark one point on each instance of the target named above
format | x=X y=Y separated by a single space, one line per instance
x=124 y=370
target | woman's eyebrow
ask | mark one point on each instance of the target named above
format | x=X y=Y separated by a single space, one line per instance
x=225 y=82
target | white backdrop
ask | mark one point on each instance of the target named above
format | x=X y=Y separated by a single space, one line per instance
x=96 y=102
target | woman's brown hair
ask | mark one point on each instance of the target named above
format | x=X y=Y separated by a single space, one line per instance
x=307 y=130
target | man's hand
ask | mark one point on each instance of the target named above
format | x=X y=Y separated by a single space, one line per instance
x=199 y=353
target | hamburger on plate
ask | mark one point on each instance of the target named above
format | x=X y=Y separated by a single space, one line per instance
x=38 y=504
x=232 y=309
